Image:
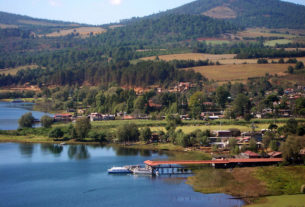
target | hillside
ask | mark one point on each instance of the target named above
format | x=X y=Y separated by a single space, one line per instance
x=8 y=20
x=168 y=28
x=247 y=13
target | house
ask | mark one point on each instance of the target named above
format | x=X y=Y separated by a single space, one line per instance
x=95 y=117
x=275 y=154
x=223 y=133
x=249 y=154
x=62 y=117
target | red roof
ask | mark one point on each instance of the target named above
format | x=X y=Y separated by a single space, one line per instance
x=274 y=154
x=218 y=161
x=251 y=154
x=67 y=115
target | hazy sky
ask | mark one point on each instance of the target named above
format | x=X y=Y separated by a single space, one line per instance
x=91 y=11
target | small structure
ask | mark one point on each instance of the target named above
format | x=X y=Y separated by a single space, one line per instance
x=223 y=133
x=275 y=154
x=62 y=117
x=249 y=155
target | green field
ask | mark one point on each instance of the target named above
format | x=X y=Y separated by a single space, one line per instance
x=281 y=201
x=273 y=43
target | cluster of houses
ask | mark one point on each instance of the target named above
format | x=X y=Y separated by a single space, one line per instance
x=291 y=94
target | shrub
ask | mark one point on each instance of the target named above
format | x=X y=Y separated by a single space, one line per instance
x=82 y=127
x=46 y=121
x=128 y=133
x=26 y=120
x=56 y=133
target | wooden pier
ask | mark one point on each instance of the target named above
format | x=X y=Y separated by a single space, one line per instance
x=182 y=167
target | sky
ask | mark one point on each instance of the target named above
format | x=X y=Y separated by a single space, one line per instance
x=94 y=12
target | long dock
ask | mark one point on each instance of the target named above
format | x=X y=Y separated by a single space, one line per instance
x=173 y=167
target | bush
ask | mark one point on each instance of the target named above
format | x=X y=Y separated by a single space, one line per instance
x=26 y=120
x=98 y=136
x=262 y=61
x=46 y=121
x=145 y=134
x=56 y=133
x=128 y=133
x=82 y=127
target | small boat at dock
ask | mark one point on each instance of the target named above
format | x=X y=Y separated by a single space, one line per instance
x=142 y=171
x=119 y=170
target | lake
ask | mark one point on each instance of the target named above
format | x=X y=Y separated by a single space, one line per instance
x=76 y=175
x=11 y=112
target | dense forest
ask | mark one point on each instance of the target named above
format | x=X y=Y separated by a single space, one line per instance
x=250 y=13
x=95 y=73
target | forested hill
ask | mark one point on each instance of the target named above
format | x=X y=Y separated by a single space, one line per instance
x=9 y=20
x=168 y=28
x=248 y=13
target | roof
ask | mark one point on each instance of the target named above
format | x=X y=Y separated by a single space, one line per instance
x=274 y=154
x=218 y=161
x=251 y=154
x=63 y=115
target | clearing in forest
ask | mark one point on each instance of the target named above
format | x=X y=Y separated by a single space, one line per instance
x=240 y=72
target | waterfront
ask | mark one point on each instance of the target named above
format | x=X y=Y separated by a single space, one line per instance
x=11 y=112
x=76 y=175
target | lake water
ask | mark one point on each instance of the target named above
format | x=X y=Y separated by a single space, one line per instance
x=48 y=175
x=52 y=175
x=11 y=112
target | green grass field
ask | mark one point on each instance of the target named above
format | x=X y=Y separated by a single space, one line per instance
x=281 y=201
x=272 y=43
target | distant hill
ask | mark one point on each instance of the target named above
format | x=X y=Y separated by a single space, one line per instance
x=247 y=13
x=168 y=28
x=8 y=20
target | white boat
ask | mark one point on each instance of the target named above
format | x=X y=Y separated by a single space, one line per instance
x=143 y=171
x=119 y=170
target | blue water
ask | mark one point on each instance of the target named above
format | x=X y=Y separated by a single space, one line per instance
x=71 y=176
x=11 y=112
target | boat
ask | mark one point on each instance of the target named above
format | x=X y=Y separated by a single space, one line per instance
x=119 y=170
x=142 y=171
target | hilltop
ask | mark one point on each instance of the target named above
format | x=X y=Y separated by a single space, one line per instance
x=249 y=13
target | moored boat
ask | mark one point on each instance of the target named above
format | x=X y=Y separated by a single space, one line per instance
x=142 y=171
x=119 y=170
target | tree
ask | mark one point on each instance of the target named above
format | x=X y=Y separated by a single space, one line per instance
x=232 y=144
x=26 y=120
x=128 y=132
x=196 y=104
x=253 y=145
x=299 y=65
x=222 y=96
x=145 y=134
x=241 y=105
x=290 y=70
x=291 y=149
x=56 y=133
x=82 y=127
x=46 y=121
x=291 y=126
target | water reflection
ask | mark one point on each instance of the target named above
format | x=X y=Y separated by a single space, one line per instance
x=121 y=151
x=26 y=149
x=78 y=152
x=54 y=149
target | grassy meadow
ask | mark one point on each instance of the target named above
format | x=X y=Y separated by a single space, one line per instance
x=273 y=43
x=280 y=201
x=240 y=72
x=83 y=31
x=13 y=71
